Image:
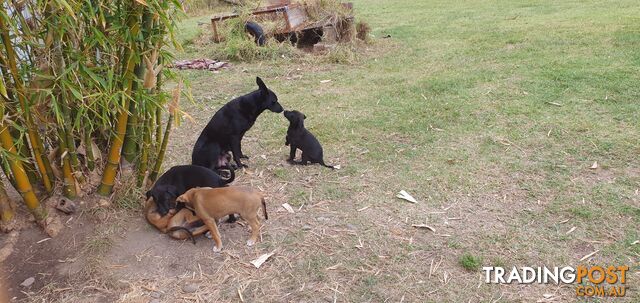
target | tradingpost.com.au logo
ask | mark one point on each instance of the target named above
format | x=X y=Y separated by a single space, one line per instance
x=604 y=281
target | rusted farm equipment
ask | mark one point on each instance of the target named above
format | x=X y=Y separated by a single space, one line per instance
x=294 y=15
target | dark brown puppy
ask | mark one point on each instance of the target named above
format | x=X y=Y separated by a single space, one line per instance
x=300 y=138
x=211 y=204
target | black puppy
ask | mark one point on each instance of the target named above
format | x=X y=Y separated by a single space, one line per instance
x=226 y=128
x=300 y=137
x=178 y=179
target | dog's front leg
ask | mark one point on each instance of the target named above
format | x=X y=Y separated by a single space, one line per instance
x=235 y=149
x=292 y=153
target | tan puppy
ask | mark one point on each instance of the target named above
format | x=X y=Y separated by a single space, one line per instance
x=211 y=204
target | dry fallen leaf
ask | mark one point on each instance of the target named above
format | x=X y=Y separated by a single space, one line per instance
x=424 y=226
x=594 y=165
x=258 y=262
x=406 y=196
x=571 y=230
x=589 y=255
x=325 y=81
x=287 y=207
x=43 y=240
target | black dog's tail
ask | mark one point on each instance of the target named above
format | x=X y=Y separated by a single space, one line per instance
x=264 y=209
x=232 y=173
x=176 y=228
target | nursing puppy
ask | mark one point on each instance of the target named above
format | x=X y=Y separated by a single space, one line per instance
x=178 y=179
x=211 y=204
x=180 y=225
x=228 y=125
x=300 y=138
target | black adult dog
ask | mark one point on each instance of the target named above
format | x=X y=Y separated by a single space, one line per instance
x=300 y=137
x=226 y=128
x=178 y=179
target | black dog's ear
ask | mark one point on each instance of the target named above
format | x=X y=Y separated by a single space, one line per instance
x=261 y=84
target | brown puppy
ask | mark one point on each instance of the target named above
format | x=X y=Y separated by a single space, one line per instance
x=211 y=204
x=174 y=223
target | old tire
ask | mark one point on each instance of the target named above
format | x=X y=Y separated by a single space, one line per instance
x=255 y=30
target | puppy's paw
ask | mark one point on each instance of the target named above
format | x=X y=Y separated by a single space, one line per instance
x=251 y=242
x=208 y=235
x=217 y=249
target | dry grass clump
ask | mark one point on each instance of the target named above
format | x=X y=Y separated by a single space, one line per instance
x=329 y=11
x=363 y=31
x=238 y=45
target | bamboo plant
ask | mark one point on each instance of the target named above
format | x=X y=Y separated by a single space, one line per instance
x=76 y=75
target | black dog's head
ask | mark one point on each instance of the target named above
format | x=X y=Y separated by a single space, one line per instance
x=296 y=118
x=270 y=100
x=164 y=196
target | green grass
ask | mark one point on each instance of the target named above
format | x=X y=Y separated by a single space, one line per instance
x=470 y=262
x=490 y=112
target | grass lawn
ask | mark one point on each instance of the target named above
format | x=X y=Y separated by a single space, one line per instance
x=490 y=113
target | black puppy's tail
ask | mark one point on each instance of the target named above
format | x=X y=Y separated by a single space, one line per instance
x=264 y=209
x=232 y=173
x=176 y=228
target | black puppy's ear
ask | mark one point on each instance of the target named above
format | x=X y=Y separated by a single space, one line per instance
x=261 y=84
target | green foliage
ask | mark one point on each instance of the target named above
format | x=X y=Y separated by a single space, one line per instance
x=470 y=262
x=76 y=63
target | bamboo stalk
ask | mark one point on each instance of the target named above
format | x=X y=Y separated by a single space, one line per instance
x=158 y=113
x=88 y=146
x=71 y=146
x=133 y=138
x=69 y=186
x=173 y=108
x=22 y=181
x=6 y=96
x=7 y=171
x=144 y=155
x=161 y=152
x=130 y=148
x=113 y=159
x=36 y=143
x=25 y=153
x=6 y=206
x=158 y=124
